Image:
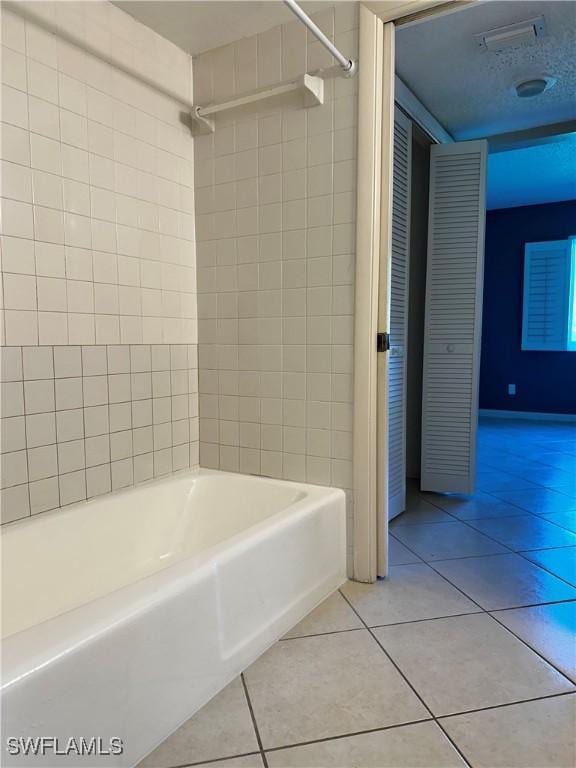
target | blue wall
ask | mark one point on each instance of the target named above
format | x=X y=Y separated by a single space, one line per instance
x=545 y=381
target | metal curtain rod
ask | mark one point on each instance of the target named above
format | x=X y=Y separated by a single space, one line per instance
x=348 y=65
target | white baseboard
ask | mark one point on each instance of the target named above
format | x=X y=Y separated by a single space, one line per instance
x=527 y=415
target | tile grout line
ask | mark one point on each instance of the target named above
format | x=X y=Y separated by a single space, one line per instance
x=373 y=730
x=509 y=704
x=494 y=491
x=533 y=487
x=53 y=378
x=53 y=357
x=483 y=610
x=526 y=513
x=534 y=650
x=545 y=567
x=519 y=455
x=499 y=554
x=212 y=761
x=319 y=634
x=393 y=624
x=340 y=736
x=430 y=618
x=27 y=481
x=407 y=681
x=520 y=553
x=254 y=722
x=404 y=725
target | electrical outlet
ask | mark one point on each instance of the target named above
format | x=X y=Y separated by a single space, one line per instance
x=511 y=389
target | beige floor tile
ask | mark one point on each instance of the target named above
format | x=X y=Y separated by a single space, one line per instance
x=422 y=745
x=539 y=501
x=561 y=561
x=528 y=532
x=563 y=519
x=549 y=629
x=398 y=554
x=493 y=480
x=504 y=581
x=248 y=761
x=537 y=734
x=418 y=510
x=480 y=505
x=333 y=615
x=330 y=685
x=222 y=728
x=443 y=540
x=409 y=593
x=468 y=662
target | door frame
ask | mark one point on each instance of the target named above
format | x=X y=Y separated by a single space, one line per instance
x=376 y=75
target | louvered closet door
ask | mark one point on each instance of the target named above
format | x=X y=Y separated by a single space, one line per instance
x=453 y=318
x=399 y=314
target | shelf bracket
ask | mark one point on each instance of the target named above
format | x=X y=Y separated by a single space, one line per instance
x=310 y=88
x=313 y=90
x=201 y=126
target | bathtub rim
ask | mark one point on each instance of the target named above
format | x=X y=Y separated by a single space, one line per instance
x=153 y=482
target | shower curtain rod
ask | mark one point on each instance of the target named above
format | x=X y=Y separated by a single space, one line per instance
x=348 y=65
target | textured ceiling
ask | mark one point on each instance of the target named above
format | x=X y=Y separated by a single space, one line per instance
x=197 y=26
x=469 y=90
x=545 y=173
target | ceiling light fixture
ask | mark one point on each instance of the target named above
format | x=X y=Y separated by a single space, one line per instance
x=529 y=87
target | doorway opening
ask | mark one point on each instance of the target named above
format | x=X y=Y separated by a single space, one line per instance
x=482 y=380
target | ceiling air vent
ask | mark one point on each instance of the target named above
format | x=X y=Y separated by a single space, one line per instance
x=513 y=35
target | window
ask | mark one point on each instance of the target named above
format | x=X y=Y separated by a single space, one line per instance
x=572 y=324
x=549 y=311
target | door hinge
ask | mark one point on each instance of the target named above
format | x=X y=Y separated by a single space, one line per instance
x=382 y=342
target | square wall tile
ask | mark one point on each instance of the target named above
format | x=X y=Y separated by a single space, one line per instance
x=13 y=434
x=72 y=487
x=40 y=429
x=11 y=364
x=42 y=462
x=69 y=394
x=12 y=399
x=15 y=503
x=39 y=396
x=38 y=362
x=70 y=425
x=67 y=362
x=44 y=495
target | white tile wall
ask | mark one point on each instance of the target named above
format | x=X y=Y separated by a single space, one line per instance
x=98 y=285
x=80 y=421
x=97 y=184
x=275 y=218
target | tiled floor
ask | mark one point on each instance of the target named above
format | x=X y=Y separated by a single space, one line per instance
x=465 y=655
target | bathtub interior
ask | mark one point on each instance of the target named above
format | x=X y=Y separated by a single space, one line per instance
x=66 y=559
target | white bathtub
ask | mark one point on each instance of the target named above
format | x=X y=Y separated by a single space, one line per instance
x=124 y=615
